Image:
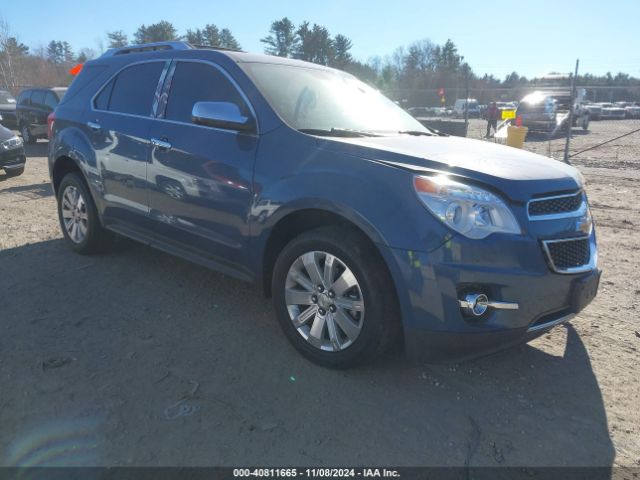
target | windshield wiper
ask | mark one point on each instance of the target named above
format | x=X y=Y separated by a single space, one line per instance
x=336 y=132
x=417 y=133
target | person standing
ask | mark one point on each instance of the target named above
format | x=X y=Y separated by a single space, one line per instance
x=492 y=118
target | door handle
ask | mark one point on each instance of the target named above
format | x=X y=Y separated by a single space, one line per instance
x=93 y=126
x=161 y=144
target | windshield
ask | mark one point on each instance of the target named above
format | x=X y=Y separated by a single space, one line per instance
x=315 y=99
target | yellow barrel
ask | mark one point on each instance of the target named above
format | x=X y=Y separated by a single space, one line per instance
x=516 y=136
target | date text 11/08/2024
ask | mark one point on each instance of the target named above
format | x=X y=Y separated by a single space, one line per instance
x=316 y=472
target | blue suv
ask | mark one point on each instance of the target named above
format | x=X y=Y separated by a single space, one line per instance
x=365 y=227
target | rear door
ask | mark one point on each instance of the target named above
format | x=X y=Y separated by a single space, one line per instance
x=22 y=108
x=36 y=112
x=201 y=181
x=118 y=125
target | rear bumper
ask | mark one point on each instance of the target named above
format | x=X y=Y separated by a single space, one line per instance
x=514 y=270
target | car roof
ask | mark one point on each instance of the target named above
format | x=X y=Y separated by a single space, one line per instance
x=179 y=49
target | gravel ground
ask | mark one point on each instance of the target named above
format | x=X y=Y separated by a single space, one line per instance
x=138 y=358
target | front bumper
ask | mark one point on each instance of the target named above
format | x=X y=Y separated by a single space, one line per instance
x=13 y=158
x=506 y=269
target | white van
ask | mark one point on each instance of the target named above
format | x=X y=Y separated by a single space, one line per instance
x=474 y=108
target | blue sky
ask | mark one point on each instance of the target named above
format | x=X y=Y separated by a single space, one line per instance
x=531 y=37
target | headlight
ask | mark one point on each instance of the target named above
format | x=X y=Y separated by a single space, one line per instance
x=467 y=209
x=13 y=142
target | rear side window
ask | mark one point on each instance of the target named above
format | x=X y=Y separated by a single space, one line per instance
x=50 y=100
x=134 y=89
x=198 y=82
x=24 y=98
x=37 y=98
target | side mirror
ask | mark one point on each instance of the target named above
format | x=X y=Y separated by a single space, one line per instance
x=224 y=115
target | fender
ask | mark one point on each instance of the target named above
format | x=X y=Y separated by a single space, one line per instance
x=73 y=143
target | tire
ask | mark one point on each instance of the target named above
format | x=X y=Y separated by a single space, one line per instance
x=372 y=325
x=14 y=172
x=88 y=236
x=27 y=137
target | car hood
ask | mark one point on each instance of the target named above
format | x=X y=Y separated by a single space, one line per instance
x=517 y=173
x=5 y=134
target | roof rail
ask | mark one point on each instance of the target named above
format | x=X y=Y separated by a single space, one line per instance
x=148 y=47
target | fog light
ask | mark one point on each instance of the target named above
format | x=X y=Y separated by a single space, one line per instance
x=475 y=304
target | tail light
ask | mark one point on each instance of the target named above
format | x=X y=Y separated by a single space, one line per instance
x=50 y=119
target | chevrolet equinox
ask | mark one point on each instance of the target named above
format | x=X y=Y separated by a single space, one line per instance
x=366 y=228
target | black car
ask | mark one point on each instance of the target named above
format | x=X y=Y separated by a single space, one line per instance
x=12 y=157
x=7 y=109
x=34 y=106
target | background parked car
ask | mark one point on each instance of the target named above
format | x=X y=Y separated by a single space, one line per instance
x=595 y=111
x=7 y=109
x=33 y=108
x=12 y=157
x=631 y=110
x=417 y=112
x=612 y=112
x=459 y=107
x=549 y=111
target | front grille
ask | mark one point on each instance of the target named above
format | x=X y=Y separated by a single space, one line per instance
x=555 y=205
x=565 y=255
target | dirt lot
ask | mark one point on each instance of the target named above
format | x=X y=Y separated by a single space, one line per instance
x=138 y=358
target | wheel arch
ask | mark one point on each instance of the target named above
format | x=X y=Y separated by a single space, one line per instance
x=61 y=167
x=302 y=220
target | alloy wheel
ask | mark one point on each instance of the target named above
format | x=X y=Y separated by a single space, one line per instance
x=324 y=301
x=74 y=214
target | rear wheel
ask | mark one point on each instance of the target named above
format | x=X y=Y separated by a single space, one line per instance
x=79 y=217
x=27 y=137
x=334 y=298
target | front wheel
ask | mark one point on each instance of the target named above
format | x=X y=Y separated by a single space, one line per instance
x=14 y=172
x=79 y=217
x=334 y=298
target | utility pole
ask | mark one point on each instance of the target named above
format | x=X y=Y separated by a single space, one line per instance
x=570 y=120
x=466 y=101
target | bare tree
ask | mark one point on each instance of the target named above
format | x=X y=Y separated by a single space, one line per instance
x=7 y=69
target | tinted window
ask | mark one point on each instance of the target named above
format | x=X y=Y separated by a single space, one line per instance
x=198 y=82
x=134 y=89
x=6 y=97
x=24 y=97
x=37 y=98
x=102 y=100
x=50 y=100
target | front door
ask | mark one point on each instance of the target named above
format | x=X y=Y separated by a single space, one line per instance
x=200 y=178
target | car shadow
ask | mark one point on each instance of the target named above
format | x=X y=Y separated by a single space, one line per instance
x=153 y=352
x=38 y=149
x=37 y=190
